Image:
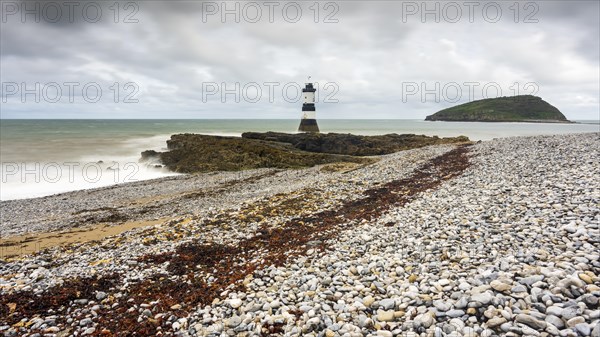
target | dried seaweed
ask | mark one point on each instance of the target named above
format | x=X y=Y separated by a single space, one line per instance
x=228 y=265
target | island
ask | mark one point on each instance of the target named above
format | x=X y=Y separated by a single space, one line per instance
x=522 y=108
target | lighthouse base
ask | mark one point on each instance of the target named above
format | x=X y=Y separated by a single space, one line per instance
x=308 y=125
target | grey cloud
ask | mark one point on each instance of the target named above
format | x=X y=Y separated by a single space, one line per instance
x=370 y=52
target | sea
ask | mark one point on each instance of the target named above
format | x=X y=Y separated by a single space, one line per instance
x=44 y=157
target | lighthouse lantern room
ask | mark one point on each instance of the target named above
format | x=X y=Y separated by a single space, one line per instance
x=308 y=123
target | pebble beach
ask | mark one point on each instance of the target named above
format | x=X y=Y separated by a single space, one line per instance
x=495 y=238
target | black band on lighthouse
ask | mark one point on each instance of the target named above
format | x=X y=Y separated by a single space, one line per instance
x=309 y=88
x=308 y=125
x=308 y=107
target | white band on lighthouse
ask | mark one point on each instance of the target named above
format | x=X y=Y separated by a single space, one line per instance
x=309 y=115
x=309 y=97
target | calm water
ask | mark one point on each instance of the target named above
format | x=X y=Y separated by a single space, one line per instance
x=43 y=157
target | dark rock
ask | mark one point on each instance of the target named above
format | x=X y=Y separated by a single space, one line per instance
x=590 y=301
x=149 y=154
x=354 y=145
x=191 y=153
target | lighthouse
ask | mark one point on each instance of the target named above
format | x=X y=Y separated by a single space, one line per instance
x=308 y=123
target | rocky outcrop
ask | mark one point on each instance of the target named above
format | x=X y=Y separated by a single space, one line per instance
x=189 y=153
x=353 y=145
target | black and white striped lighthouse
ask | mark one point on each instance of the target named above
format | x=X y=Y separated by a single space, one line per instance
x=308 y=123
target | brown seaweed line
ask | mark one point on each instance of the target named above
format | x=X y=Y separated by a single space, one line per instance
x=229 y=265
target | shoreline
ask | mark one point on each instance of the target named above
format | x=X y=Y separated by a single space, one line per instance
x=408 y=243
x=171 y=174
x=72 y=142
x=138 y=194
x=149 y=200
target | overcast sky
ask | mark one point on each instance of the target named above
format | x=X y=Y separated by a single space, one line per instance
x=173 y=60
